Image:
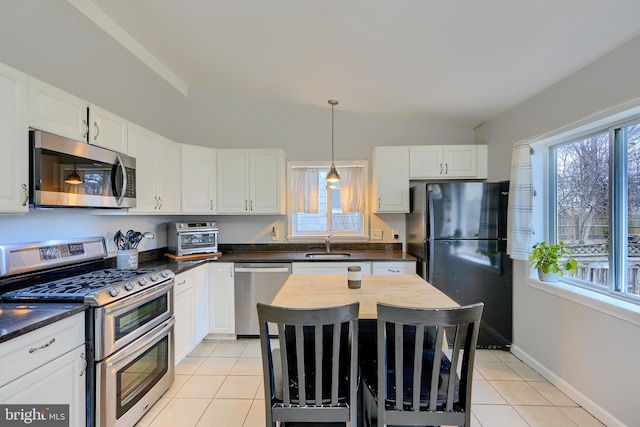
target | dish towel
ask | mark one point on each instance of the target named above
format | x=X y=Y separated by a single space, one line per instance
x=520 y=210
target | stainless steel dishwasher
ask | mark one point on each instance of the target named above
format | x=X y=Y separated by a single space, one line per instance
x=256 y=282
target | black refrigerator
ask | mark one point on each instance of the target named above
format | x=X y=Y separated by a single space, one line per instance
x=457 y=231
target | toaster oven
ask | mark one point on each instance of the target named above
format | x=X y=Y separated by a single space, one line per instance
x=186 y=238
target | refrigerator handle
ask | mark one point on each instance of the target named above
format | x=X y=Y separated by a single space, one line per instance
x=430 y=216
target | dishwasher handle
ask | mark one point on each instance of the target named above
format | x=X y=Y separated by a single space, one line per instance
x=262 y=270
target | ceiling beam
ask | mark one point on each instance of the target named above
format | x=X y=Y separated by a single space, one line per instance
x=115 y=31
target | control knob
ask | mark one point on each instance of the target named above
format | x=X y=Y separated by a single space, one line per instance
x=142 y=281
x=114 y=292
x=153 y=277
x=128 y=286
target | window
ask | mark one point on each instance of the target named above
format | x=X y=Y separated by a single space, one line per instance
x=595 y=206
x=316 y=209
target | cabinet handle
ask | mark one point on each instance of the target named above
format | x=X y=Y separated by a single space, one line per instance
x=183 y=282
x=160 y=198
x=32 y=349
x=156 y=199
x=391 y=270
x=230 y=271
x=95 y=137
x=84 y=359
x=378 y=202
x=245 y=205
x=251 y=205
x=211 y=204
x=446 y=168
x=26 y=194
x=86 y=132
x=440 y=168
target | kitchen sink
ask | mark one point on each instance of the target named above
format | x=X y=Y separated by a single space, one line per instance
x=327 y=255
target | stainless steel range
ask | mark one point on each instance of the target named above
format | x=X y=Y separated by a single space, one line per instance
x=129 y=325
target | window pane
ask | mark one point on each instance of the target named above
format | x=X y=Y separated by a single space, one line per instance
x=632 y=137
x=582 y=177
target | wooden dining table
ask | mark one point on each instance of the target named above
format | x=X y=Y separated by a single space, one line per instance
x=325 y=290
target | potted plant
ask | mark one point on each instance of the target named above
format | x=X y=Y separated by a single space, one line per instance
x=552 y=260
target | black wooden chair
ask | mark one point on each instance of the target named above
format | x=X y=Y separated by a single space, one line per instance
x=416 y=381
x=312 y=377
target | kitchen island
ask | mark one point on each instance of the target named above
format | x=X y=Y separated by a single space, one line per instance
x=323 y=290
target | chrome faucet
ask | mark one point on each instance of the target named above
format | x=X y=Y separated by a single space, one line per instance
x=327 y=243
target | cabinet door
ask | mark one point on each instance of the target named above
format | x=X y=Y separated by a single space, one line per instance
x=201 y=279
x=56 y=111
x=183 y=310
x=233 y=178
x=198 y=179
x=460 y=161
x=60 y=381
x=14 y=142
x=404 y=267
x=167 y=175
x=266 y=182
x=391 y=179
x=222 y=315
x=426 y=161
x=141 y=146
x=107 y=130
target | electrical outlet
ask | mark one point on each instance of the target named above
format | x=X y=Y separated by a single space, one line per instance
x=275 y=234
x=111 y=246
x=396 y=233
x=376 y=234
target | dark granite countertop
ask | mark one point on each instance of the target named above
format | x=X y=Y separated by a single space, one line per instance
x=19 y=318
x=287 y=253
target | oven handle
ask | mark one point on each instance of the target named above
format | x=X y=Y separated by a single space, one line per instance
x=123 y=190
x=262 y=270
x=126 y=303
x=130 y=351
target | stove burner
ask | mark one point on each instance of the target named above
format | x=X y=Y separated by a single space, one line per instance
x=77 y=287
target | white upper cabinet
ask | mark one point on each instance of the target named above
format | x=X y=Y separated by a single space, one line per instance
x=390 y=179
x=107 y=130
x=56 y=111
x=448 y=161
x=198 y=179
x=157 y=171
x=251 y=181
x=14 y=141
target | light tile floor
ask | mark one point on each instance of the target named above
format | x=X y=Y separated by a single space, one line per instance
x=220 y=385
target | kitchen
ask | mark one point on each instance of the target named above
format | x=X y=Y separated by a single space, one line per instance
x=229 y=121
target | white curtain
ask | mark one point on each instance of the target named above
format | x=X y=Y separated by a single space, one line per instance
x=520 y=210
x=304 y=183
x=351 y=189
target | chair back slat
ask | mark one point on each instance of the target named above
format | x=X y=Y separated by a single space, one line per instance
x=335 y=367
x=399 y=360
x=435 y=368
x=319 y=361
x=417 y=367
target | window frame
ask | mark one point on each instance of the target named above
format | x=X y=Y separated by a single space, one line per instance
x=617 y=197
x=335 y=235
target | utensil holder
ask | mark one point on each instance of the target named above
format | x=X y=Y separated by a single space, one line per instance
x=127 y=259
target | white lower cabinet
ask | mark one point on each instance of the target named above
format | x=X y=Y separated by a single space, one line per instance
x=222 y=317
x=201 y=275
x=184 y=306
x=47 y=367
x=340 y=267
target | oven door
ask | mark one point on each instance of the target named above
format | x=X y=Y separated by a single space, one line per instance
x=131 y=380
x=120 y=323
x=196 y=242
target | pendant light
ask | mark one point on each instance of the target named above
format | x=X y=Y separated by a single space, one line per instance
x=333 y=175
x=73 y=177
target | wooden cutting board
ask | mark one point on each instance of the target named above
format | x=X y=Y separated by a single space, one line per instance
x=193 y=256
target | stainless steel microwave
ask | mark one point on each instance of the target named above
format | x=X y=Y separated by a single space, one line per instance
x=68 y=173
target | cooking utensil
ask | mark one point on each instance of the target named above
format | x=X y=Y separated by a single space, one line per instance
x=119 y=240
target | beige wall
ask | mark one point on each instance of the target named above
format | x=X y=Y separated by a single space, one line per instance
x=588 y=351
